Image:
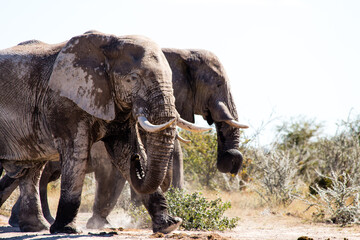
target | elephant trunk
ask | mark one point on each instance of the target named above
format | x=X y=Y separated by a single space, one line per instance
x=159 y=148
x=229 y=157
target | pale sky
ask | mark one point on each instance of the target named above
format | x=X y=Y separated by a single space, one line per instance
x=286 y=57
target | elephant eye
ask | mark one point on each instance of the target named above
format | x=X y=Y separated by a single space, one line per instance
x=220 y=83
x=133 y=77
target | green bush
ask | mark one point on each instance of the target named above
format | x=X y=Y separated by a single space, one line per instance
x=200 y=159
x=198 y=213
x=299 y=132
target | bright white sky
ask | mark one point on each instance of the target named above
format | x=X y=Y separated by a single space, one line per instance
x=286 y=57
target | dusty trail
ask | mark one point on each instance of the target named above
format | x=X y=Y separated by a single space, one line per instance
x=259 y=226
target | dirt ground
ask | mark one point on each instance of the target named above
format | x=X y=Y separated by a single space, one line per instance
x=259 y=226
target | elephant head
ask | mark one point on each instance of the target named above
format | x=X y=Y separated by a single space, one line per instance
x=120 y=78
x=201 y=86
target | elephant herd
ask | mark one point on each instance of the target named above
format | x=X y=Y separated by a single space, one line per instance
x=109 y=105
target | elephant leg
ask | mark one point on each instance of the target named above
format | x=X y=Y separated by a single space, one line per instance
x=72 y=180
x=109 y=185
x=51 y=173
x=30 y=214
x=157 y=207
x=74 y=156
x=7 y=186
x=178 y=167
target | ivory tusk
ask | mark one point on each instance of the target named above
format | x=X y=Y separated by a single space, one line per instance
x=149 y=127
x=183 y=140
x=236 y=124
x=190 y=126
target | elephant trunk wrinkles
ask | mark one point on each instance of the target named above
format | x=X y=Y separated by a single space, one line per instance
x=159 y=146
x=228 y=137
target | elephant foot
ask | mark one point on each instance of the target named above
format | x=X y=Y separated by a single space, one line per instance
x=166 y=224
x=29 y=223
x=37 y=227
x=14 y=220
x=97 y=222
x=69 y=229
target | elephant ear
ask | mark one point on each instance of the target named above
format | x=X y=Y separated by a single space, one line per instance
x=183 y=83
x=79 y=74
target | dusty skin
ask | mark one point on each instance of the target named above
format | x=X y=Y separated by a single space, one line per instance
x=258 y=225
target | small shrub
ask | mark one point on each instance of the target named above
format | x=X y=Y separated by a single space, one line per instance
x=340 y=153
x=199 y=213
x=274 y=176
x=339 y=202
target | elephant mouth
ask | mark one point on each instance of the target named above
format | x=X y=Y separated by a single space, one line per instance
x=137 y=167
x=148 y=166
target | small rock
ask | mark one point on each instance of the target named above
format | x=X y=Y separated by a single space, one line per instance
x=305 y=238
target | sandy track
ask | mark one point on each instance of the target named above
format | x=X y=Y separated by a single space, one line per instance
x=258 y=227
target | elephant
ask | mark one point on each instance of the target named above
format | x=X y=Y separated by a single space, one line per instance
x=56 y=100
x=201 y=87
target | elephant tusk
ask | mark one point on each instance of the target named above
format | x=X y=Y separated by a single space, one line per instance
x=149 y=127
x=183 y=140
x=236 y=124
x=191 y=127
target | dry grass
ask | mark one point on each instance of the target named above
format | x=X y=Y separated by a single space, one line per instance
x=5 y=209
x=247 y=204
x=242 y=203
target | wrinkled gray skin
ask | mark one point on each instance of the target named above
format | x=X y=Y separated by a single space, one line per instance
x=200 y=85
x=57 y=100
